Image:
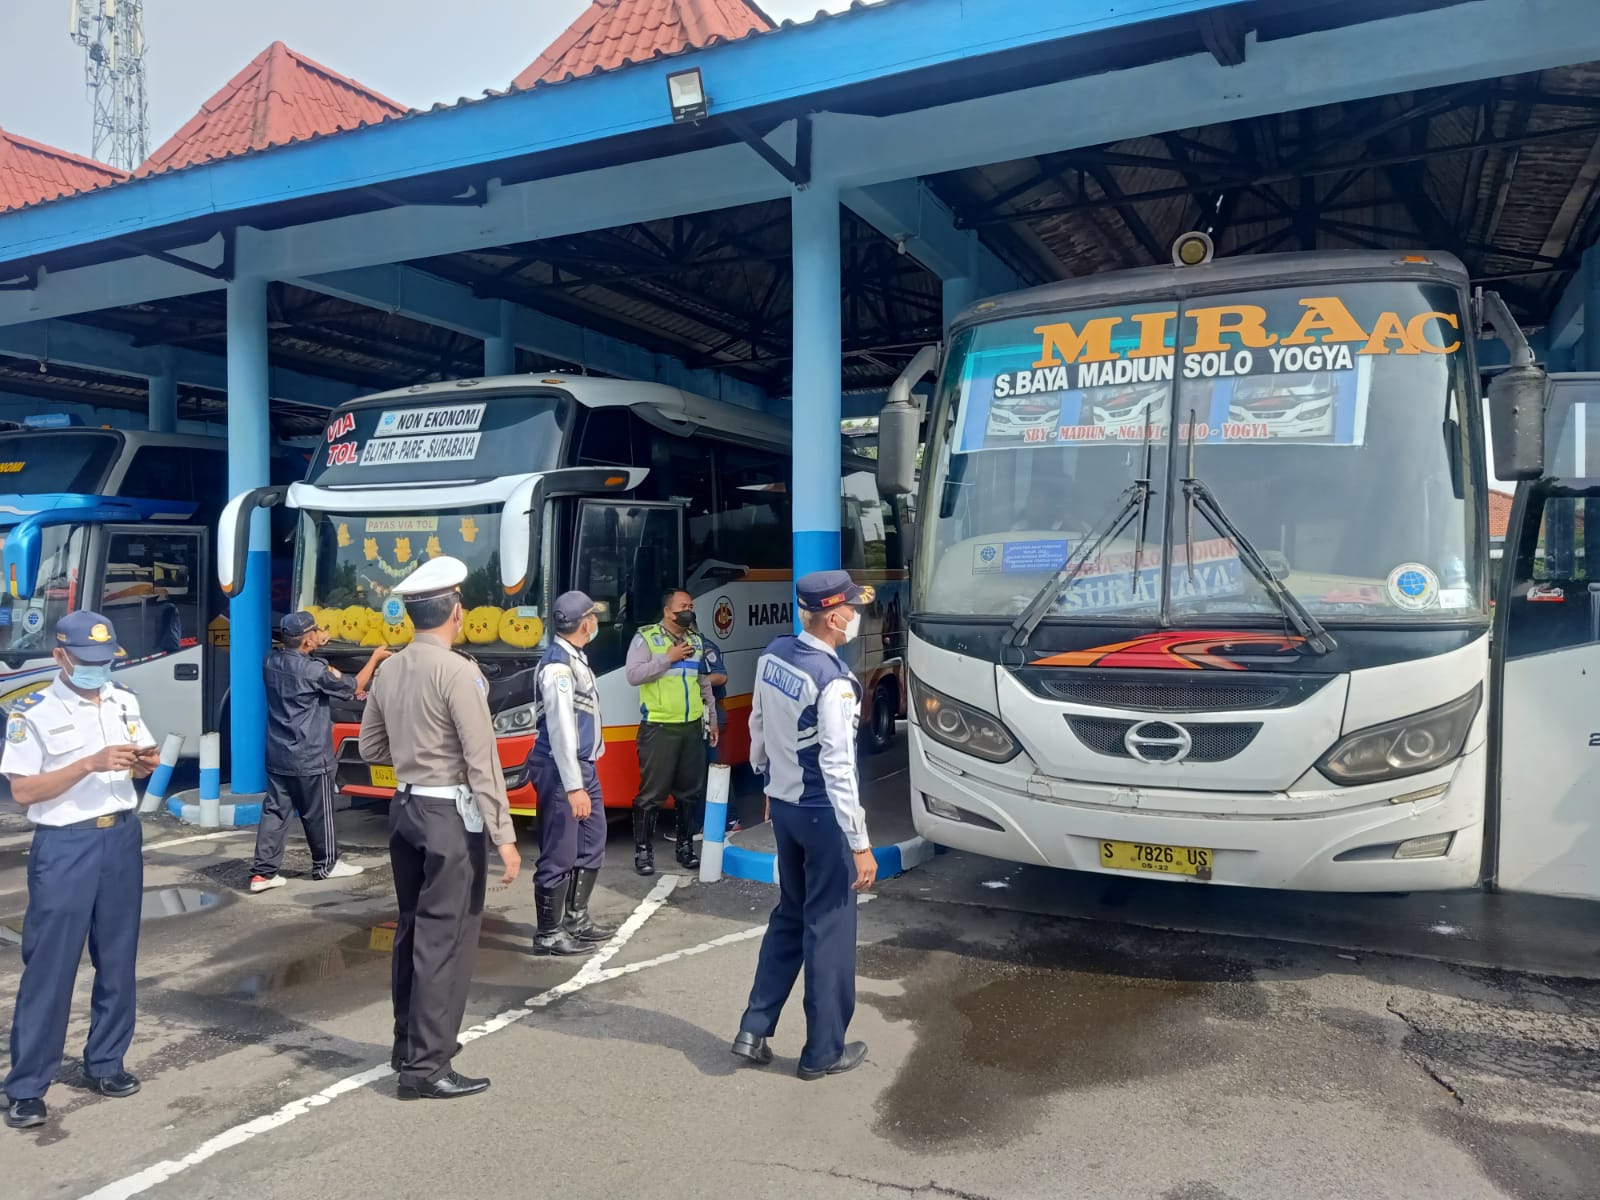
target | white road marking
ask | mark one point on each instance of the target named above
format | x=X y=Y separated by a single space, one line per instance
x=21 y=839
x=201 y=837
x=593 y=971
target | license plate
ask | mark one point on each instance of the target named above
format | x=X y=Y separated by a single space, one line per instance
x=1164 y=860
x=384 y=777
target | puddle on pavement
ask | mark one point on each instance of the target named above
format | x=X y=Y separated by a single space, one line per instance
x=503 y=957
x=996 y=1034
x=157 y=904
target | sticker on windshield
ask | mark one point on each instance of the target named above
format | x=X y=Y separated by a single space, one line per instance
x=394 y=611
x=401 y=525
x=1412 y=586
x=463 y=418
x=447 y=447
x=33 y=620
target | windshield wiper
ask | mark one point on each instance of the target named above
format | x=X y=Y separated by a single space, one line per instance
x=1197 y=495
x=1134 y=501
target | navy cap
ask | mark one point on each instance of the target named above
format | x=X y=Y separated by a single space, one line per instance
x=297 y=624
x=88 y=637
x=822 y=590
x=571 y=608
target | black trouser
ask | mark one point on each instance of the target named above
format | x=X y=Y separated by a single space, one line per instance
x=672 y=762
x=439 y=880
x=312 y=797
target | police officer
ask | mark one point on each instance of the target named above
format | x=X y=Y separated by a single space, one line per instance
x=300 y=762
x=572 y=815
x=71 y=753
x=666 y=662
x=428 y=714
x=803 y=742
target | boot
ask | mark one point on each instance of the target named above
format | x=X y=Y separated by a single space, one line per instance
x=579 y=923
x=551 y=904
x=644 y=830
x=686 y=855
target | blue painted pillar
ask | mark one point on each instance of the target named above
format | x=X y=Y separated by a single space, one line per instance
x=164 y=395
x=250 y=612
x=500 y=351
x=818 y=350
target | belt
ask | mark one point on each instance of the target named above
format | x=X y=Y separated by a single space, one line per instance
x=458 y=791
x=105 y=822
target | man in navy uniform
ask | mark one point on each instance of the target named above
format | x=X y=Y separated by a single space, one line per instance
x=803 y=716
x=572 y=815
x=71 y=753
x=300 y=762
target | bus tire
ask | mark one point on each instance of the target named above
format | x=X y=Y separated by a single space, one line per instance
x=879 y=733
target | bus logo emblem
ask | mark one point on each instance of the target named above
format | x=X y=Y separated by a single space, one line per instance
x=1158 y=742
x=722 y=618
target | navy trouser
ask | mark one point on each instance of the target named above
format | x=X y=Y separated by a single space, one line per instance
x=312 y=797
x=564 y=841
x=814 y=924
x=83 y=884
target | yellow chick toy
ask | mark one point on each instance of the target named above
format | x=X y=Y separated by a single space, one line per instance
x=520 y=631
x=354 y=622
x=397 y=635
x=482 y=625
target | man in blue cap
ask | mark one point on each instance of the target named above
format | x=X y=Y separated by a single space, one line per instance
x=72 y=752
x=803 y=716
x=572 y=814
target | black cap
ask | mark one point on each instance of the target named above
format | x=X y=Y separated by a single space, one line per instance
x=297 y=624
x=570 y=609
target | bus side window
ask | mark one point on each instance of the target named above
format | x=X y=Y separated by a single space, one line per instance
x=162 y=473
x=1551 y=605
x=752 y=520
x=151 y=591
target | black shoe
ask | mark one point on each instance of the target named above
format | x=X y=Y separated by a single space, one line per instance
x=854 y=1054
x=579 y=923
x=755 y=1049
x=397 y=1056
x=551 y=905
x=448 y=1086
x=644 y=853
x=686 y=855
x=116 y=1086
x=25 y=1114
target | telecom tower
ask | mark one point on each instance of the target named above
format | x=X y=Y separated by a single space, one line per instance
x=112 y=35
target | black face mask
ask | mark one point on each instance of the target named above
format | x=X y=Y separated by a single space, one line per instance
x=685 y=619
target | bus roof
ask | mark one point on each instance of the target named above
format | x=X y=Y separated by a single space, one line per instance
x=666 y=406
x=133 y=439
x=1219 y=275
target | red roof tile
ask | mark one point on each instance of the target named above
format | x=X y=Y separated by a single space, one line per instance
x=1499 y=513
x=614 y=33
x=31 y=171
x=280 y=97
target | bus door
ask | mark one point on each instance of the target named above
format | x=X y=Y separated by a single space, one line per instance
x=153 y=585
x=1547 y=821
x=625 y=553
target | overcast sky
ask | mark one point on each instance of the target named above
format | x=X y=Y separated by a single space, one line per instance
x=416 y=52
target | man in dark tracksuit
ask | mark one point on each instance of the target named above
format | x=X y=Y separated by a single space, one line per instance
x=300 y=760
x=666 y=662
x=572 y=814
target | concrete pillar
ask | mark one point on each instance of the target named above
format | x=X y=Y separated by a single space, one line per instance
x=818 y=373
x=164 y=395
x=500 y=351
x=249 y=455
x=958 y=293
x=1588 y=354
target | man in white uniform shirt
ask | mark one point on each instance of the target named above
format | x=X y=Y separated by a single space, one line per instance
x=71 y=753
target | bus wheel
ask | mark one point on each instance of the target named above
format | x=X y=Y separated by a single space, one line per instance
x=880 y=731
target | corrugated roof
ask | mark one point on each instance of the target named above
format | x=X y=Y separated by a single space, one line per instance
x=282 y=96
x=31 y=171
x=614 y=33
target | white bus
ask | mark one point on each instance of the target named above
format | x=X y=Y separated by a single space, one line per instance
x=541 y=484
x=120 y=522
x=1220 y=648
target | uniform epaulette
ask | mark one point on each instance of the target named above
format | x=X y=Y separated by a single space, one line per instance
x=29 y=700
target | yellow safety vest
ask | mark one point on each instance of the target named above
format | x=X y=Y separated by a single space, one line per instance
x=673 y=698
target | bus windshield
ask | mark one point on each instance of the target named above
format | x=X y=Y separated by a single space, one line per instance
x=27 y=627
x=63 y=461
x=350 y=563
x=1334 y=425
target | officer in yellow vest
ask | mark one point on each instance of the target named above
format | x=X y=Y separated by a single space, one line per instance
x=667 y=663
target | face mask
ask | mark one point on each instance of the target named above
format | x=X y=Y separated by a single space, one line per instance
x=853 y=627
x=685 y=619
x=90 y=678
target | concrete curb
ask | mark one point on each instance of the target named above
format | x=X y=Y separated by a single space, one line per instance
x=240 y=814
x=761 y=866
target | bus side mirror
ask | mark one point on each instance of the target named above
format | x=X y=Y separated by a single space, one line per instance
x=900 y=427
x=233 y=535
x=1517 y=401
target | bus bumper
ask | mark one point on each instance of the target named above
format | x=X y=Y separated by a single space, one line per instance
x=1006 y=814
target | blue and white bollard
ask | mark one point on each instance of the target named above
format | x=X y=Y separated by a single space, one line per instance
x=155 y=792
x=716 y=824
x=210 y=780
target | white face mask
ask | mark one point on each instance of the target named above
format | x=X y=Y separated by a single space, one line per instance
x=853 y=627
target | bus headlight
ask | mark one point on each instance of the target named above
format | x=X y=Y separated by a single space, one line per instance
x=960 y=726
x=1404 y=747
x=514 y=720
